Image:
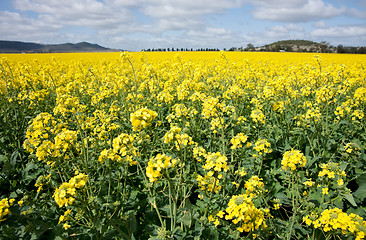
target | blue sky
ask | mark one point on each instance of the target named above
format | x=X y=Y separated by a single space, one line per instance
x=141 y=24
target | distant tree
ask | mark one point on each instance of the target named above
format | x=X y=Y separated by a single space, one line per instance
x=250 y=47
x=288 y=48
x=353 y=50
x=340 y=48
x=361 y=50
x=324 y=45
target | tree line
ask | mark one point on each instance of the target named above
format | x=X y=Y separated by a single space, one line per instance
x=179 y=49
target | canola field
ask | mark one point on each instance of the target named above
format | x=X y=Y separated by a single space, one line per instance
x=188 y=145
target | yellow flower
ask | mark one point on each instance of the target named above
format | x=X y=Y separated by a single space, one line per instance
x=293 y=159
x=333 y=219
x=262 y=146
x=238 y=140
x=66 y=226
x=216 y=222
x=253 y=185
x=208 y=182
x=158 y=164
x=5 y=204
x=65 y=194
x=258 y=116
x=309 y=183
x=142 y=118
x=241 y=210
x=216 y=162
x=340 y=182
x=220 y=214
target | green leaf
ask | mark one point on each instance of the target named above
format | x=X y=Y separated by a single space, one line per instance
x=132 y=222
x=186 y=219
x=311 y=161
x=350 y=199
x=343 y=165
x=361 y=179
x=361 y=191
x=13 y=158
x=3 y=159
x=339 y=203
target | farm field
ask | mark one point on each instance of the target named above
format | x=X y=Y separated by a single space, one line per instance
x=182 y=145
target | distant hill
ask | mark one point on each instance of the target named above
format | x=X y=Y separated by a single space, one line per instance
x=28 y=47
x=294 y=46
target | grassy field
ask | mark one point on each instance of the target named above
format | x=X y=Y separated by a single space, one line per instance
x=188 y=145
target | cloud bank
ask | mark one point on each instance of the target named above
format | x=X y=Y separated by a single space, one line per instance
x=136 y=24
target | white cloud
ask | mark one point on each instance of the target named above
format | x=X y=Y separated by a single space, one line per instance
x=341 y=31
x=186 y=8
x=288 y=28
x=357 y=13
x=298 y=11
x=138 y=24
x=88 y=13
x=320 y=24
x=14 y=26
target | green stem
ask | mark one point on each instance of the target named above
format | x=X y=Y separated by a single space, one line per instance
x=154 y=203
x=294 y=208
x=173 y=207
x=209 y=200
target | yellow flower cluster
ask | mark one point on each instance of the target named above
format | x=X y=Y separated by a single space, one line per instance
x=199 y=153
x=180 y=139
x=209 y=183
x=279 y=106
x=122 y=149
x=262 y=146
x=211 y=107
x=214 y=220
x=5 y=204
x=253 y=186
x=41 y=180
x=258 y=116
x=65 y=194
x=142 y=118
x=241 y=210
x=38 y=131
x=360 y=95
x=336 y=219
x=49 y=139
x=238 y=140
x=215 y=162
x=332 y=171
x=67 y=104
x=309 y=183
x=123 y=146
x=312 y=115
x=157 y=165
x=64 y=140
x=293 y=159
x=65 y=217
x=352 y=148
x=324 y=94
x=217 y=124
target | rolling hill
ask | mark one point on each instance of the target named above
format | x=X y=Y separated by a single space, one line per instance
x=29 y=47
